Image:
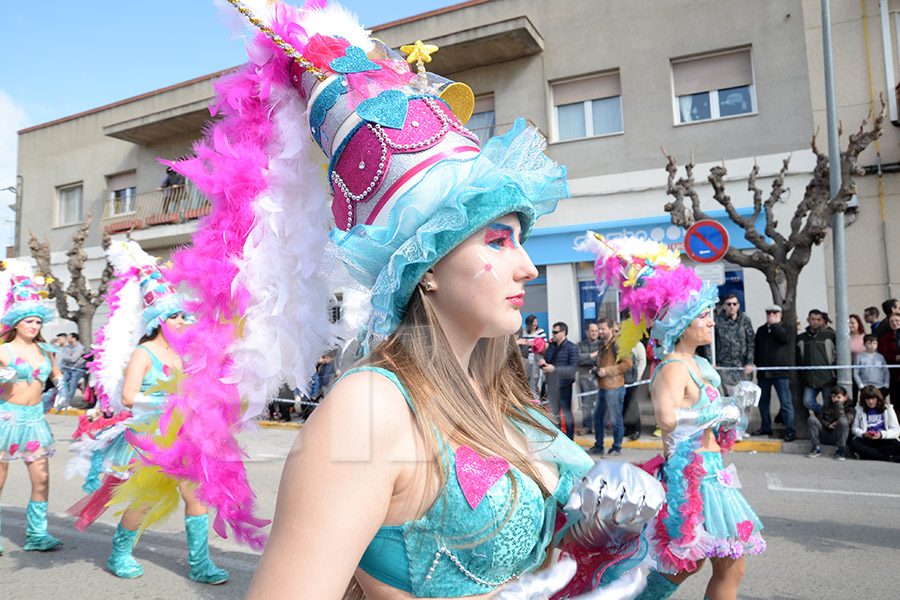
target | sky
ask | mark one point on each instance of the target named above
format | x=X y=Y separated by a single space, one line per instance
x=61 y=57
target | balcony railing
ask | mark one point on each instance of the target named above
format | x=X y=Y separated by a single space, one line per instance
x=177 y=204
x=486 y=133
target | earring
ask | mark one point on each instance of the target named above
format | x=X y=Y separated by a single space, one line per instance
x=428 y=285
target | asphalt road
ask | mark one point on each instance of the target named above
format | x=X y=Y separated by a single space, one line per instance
x=832 y=528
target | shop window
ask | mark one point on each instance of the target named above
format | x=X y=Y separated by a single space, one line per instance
x=587 y=107
x=714 y=86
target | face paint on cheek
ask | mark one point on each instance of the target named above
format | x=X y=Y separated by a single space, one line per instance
x=500 y=236
x=487 y=268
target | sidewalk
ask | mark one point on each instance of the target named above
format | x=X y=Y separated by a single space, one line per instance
x=646 y=442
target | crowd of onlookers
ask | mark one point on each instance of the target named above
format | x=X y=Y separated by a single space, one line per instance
x=859 y=421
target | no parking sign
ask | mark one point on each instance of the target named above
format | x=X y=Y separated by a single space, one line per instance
x=706 y=241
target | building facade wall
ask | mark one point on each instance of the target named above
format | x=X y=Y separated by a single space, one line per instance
x=872 y=245
x=617 y=181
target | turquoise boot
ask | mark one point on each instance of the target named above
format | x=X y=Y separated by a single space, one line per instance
x=36 y=536
x=658 y=587
x=202 y=567
x=120 y=562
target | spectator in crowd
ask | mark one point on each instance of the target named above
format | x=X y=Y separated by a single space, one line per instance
x=282 y=404
x=560 y=362
x=871 y=317
x=826 y=318
x=631 y=412
x=60 y=341
x=890 y=307
x=816 y=348
x=533 y=331
x=734 y=344
x=857 y=332
x=587 y=382
x=887 y=347
x=172 y=187
x=73 y=365
x=874 y=369
x=772 y=349
x=610 y=373
x=832 y=424
x=875 y=428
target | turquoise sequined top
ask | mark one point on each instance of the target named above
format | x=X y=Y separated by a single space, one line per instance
x=25 y=371
x=154 y=377
x=455 y=550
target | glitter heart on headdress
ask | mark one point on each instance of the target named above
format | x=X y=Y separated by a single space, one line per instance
x=353 y=61
x=388 y=109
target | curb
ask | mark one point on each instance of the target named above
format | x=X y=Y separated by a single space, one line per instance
x=68 y=411
x=277 y=425
x=767 y=446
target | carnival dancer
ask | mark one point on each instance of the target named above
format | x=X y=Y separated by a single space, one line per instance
x=145 y=306
x=27 y=361
x=428 y=470
x=705 y=515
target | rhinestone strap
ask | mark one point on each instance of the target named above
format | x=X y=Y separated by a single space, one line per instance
x=465 y=571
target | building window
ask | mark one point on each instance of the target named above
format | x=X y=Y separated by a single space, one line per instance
x=482 y=121
x=588 y=107
x=713 y=86
x=68 y=204
x=122 y=189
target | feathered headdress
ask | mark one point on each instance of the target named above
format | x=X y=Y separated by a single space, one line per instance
x=23 y=294
x=656 y=289
x=139 y=300
x=322 y=110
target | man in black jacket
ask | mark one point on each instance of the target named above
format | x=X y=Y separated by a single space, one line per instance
x=772 y=349
x=559 y=364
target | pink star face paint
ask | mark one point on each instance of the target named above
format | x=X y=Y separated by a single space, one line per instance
x=499 y=236
x=487 y=268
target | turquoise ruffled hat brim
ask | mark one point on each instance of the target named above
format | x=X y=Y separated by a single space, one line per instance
x=511 y=174
x=28 y=308
x=161 y=310
x=668 y=329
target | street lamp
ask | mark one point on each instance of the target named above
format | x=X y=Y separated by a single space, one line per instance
x=15 y=208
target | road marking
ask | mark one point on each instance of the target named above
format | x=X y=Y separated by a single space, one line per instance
x=154 y=547
x=773 y=482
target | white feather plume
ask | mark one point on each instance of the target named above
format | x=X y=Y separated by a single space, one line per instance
x=122 y=331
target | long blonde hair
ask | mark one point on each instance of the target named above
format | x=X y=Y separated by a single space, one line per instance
x=448 y=408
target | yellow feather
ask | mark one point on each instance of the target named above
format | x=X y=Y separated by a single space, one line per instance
x=630 y=335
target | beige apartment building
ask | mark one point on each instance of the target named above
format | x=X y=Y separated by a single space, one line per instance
x=609 y=83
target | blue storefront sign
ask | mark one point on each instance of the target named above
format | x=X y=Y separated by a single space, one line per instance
x=555 y=245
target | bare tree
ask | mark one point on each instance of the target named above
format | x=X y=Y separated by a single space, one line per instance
x=86 y=299
x=780 y=257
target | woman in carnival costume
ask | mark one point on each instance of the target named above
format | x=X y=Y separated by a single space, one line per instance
x=705 y=515
x=428 y=471
x=26 y=362
x=135 y=368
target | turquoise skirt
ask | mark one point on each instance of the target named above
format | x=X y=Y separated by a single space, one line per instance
x=732 y=525
x=24 y=432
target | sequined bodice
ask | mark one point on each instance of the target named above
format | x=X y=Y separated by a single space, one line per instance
x=457 y=550
x=154 y=377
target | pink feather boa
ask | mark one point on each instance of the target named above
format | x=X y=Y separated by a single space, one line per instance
x=692 y=512
x=229 y=167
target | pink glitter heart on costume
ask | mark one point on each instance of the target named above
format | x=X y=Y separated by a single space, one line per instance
x=476 y=475
x=13 y=448
x=712 y=392
x=745 y=528
x=33 y=446
x=19 y=361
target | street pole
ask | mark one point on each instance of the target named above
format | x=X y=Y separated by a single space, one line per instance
x=842 y=316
